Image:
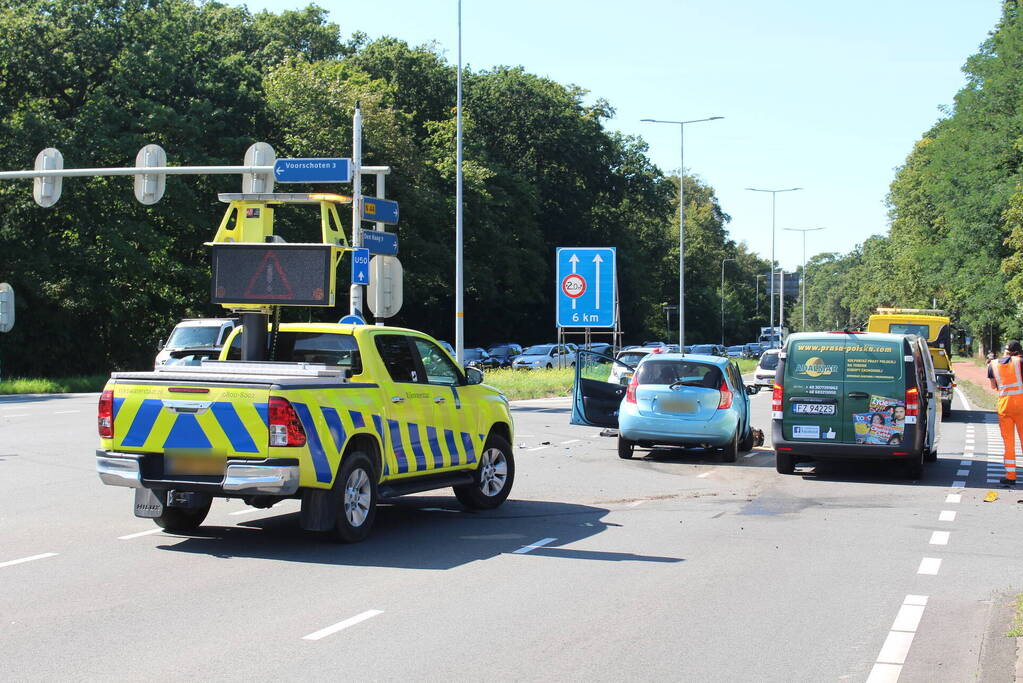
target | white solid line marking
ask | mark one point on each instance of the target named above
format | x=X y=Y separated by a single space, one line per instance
x=929 y=565
x=940 y=537
x=341 y=625
x=962 y=473
x=11 y=563
x=18 y=415
x=533 y=546
x=947 y=516
x=701 y=476
x=884 y=673
x=958 y=484
x=896 y=647
x=65 y=412
x=954 y=498
x=140 y=533
x=908 y=618
x=563 y=443
x=538 y=448
x=246 y=511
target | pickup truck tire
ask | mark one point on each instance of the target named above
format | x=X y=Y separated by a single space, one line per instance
x=183 y=519
x=356 y=488
x=492 y=480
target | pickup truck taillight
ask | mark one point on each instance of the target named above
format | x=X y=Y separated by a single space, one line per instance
x=106 y=415
x=285 y=427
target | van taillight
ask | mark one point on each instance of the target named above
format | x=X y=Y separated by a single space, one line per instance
x=725 y=401
x=105 y=415
x=630 y=393
x=285 y=427
x=777 y=402
x=912 y=402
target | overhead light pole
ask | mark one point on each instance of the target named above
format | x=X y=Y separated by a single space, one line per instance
x=723 y=298
x=459 y=270
x=803 y=276
x=682 y=223
x=774 y=195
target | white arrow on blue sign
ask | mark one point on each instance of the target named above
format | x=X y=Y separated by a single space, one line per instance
x=586 y=284
x=360 y=266
x=313 y=170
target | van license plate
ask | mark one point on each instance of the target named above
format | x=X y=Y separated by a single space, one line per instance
x=813 y=408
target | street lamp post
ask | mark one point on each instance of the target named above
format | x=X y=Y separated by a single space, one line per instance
x=774 y=195
x=681 y=224
x=803 y=275
x=723 y=298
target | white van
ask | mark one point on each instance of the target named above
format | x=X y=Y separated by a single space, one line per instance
x=195 y=336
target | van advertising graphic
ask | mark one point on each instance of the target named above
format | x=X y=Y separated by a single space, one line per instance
x=883 y=424
x=816 y=360
x=878 y=361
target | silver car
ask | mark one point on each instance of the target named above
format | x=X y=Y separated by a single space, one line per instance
x=547 y=356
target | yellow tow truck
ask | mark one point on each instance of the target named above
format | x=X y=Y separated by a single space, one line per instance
x=931 y=324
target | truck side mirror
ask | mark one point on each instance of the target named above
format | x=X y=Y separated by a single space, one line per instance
x=473 y=376
x=159 y=347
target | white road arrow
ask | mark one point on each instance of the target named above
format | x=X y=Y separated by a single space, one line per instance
x=596 y=264
x=573 y=259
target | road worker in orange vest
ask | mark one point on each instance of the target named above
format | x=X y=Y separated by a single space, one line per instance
x=1006 y=375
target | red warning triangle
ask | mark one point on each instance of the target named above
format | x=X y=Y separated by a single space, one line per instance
x=269 y=280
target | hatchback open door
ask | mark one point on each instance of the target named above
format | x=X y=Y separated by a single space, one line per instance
x=598 y=392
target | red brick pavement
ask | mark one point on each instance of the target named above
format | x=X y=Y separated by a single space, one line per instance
x=974 y=373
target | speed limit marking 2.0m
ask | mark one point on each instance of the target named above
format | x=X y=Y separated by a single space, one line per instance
x=586 y=283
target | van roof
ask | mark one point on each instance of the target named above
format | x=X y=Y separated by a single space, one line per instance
x=858 y=336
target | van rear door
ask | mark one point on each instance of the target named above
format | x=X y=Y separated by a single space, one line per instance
x=875 y=392
x=814 y=389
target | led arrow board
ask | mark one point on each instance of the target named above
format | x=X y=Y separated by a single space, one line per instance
x=273 y=274
x=586 y=287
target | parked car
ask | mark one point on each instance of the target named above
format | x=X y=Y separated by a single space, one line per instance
x=545 y=356
x=476 y=357
x=754 y=349
x=504 y=354
x=600 y=347
x=763 y=374
x=737 y=351
x=621 y=372
x=193 y=339
x=708 y=350
x=671 y=400
x=651 y=344
x=447 y=347
x=855 y=395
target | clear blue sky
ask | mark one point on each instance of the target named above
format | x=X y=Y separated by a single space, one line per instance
x=824 y=95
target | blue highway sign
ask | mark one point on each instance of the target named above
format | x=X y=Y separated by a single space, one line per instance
x=360 y=267
x=379 y=210
x=379 y=242
x=313 y=170
x=586 y=287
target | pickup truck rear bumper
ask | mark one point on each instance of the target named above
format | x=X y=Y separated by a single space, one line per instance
x=273 y=476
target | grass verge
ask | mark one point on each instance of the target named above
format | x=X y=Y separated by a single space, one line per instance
x=978 y=397
x=1016 y=628
x=63 y=385
x=520 y=384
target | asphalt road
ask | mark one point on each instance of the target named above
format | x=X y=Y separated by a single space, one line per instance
x=670 y=566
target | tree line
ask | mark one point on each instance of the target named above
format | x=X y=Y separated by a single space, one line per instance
x=955 y=236
x=100 y=279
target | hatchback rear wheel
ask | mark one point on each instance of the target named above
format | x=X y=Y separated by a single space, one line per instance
x=731 y=450
x=625 y=448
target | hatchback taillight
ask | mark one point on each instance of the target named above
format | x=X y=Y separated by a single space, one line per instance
x=105 y=415
x=912 y=402
x=777 y=402
x=725 y=401
x=285 y=427
x=630 y=393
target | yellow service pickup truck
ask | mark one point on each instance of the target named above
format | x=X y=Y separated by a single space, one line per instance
x=342 y=416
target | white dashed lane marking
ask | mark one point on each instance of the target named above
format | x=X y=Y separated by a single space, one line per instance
x=533 y=546
x=147 y=532
x=341 y=625
x=896 y=646
x=929 y=566
x=954 y=498
x=939 y=537
x=11 y=563
x=947 y=516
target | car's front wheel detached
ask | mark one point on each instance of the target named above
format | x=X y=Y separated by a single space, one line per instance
x=356 y=488
x=784 y=463
x=184 y=519
x=730 y=452
x=493 y=478
x=625 y=448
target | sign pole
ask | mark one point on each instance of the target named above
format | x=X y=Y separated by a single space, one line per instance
x=381 y=186
x=355 y=307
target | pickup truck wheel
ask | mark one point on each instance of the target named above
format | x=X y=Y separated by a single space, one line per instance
x=357 y=504
x=492 y=481
x=183 y=519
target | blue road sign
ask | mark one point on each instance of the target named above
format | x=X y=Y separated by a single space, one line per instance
x=586 y=287
x=379 y=242
x=313 y=170
x=379 y=210
x=351 y=320
x=360 y=267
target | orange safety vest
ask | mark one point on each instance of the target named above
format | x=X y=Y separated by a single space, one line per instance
x=1008 y=376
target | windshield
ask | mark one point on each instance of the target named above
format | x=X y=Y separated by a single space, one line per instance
x=501 y=351
x=906 y=328
x=191 y=336
x=703 y=348
x=736 y=348
x=769 y=361
x=473 y=354
x=632 y=357
x=538 y=350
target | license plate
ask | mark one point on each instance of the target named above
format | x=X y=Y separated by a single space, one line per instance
x=813 y=408
x=675 y=406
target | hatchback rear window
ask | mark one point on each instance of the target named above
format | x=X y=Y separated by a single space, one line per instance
x=681 y=372
x=769 y=361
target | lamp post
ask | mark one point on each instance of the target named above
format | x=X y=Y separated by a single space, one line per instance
x=774 y=196
x=803 y=276
x=459 y=270
x=682 y=223
x=723 y=298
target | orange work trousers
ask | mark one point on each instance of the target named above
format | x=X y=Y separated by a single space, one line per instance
x=1010 y=420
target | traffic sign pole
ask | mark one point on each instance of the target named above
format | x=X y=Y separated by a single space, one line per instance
x=355 y=306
